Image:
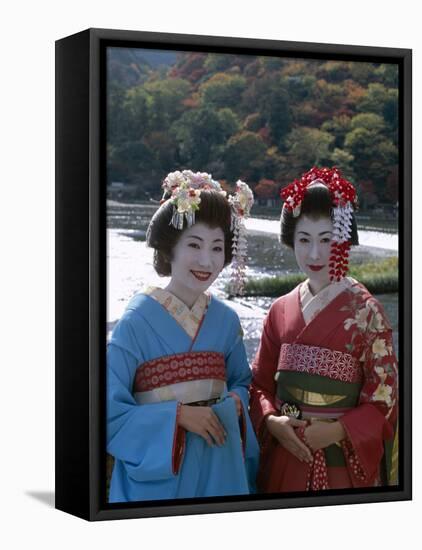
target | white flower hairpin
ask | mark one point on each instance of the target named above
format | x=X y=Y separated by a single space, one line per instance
x=185 y=190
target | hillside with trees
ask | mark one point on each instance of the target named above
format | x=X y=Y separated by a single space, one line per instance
x=262 y=119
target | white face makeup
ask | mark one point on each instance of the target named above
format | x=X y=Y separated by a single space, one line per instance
x=198 y=259
x=312 y=246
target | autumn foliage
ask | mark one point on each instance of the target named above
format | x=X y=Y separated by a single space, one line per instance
x=262 y=119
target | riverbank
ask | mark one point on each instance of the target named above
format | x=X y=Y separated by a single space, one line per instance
x=377 y=239
x=379 y=278
x=367 y=235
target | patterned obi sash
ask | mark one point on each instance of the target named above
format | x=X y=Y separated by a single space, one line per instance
x=185 y=377
x=323 y=383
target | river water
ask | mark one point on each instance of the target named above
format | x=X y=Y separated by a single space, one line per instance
x=129 y=266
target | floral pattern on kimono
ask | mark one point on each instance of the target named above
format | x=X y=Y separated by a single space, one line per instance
x=345 y=319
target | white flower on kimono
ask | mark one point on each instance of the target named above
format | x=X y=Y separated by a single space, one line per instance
x=378 y=322
x=381 y=373
x=348 y=323
x=379 y=349
x=383 y=393
x=361 y=318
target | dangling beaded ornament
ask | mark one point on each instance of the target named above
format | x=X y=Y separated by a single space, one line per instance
x=344 y=200
x=241 y=203
x=185 y=189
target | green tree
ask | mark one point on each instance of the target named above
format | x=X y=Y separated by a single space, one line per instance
x=344 y=160
x=375 y=155
x=272 y=63
x=201 y=133
x=334 y=71
x=328 y=97
x=217 y=62
x=223 y=90
x=308 y=147
x=370 y=121
x=301 y=88
x=378 y=99
x=362 y=72
x=229 y=122
x=244 y=156
x=129 y=118
x=384 y=102
x=388 y=74
x=269 y=96
x=274 y=164
x=165 y=101
x=129 y=160
x=359 y=142
x=338 y=126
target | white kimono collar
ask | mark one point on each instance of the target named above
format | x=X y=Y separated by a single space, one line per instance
x=312 y=305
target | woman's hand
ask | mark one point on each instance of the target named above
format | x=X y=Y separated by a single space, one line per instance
x=320 y=435
x=282 y=428
x=204 y=422
x=238 y=402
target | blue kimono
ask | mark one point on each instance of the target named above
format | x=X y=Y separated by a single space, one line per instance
x=154 y=365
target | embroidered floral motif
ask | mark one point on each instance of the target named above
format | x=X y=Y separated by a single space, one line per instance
x=360 y=319
x=366 y=319
x=383 y=393
x=371 y=341
x=379 y=349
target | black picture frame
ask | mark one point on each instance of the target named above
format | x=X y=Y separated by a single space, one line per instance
x=81 y=272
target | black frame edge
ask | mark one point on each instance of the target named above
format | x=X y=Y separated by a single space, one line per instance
x=176 y=39
x=406 y=264
x=72 y=256
x=78 y=131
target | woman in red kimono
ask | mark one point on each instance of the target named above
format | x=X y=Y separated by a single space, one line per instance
x=324 y=390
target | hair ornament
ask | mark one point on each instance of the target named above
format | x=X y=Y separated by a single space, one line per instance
x=343 y=195
x=241 y=203
x=184 y=189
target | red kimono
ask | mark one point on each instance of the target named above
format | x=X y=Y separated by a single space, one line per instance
x=332 y=356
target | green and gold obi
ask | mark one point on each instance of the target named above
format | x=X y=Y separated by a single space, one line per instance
x=323 y=383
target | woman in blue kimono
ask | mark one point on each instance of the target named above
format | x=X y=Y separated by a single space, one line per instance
x=178 y=376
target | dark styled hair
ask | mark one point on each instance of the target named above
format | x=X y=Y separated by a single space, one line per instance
x=317 y=203
x=214 y=211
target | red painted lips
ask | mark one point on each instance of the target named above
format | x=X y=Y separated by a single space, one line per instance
x=201 y=275
x=316 y=267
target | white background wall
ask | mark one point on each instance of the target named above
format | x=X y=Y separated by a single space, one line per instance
x=29 y=30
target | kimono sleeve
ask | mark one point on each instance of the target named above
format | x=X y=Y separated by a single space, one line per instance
x=145 y=438
x=263 y=389
x=237 y=366
x=372 y=424
x=238 y=380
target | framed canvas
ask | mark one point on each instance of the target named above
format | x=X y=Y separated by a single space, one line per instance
x=136 y=109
